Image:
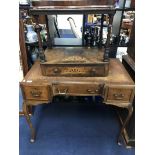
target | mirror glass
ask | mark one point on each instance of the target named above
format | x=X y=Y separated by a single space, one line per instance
x=66 y=29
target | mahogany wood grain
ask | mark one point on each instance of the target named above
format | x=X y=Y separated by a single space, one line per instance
x=71 y=2
x=72 y=6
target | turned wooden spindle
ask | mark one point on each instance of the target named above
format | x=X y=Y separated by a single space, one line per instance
x=107 y=45
x=109 y=30
x=49 y=41
x=101 y=32
x=38 y=29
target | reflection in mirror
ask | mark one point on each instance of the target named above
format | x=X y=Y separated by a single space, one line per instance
x=70 y=26
x=66 y=29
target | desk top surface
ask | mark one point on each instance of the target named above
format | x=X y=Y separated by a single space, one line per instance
x=117 y=75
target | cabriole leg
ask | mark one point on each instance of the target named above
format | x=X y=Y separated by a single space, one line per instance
x=26 y=114
x=130 y=111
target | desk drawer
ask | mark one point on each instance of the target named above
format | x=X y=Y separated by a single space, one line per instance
x=40 y=93
x=78 y=89
x=76 y=70
x=119 y=94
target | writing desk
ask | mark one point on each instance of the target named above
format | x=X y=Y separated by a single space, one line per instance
x=115 y=89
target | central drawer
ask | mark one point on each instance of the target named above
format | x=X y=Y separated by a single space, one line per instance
x=77 y=89
x=76 y=69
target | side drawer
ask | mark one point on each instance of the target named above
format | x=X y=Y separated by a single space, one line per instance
x=37 y=92
x=119 y=94
x=80 y=89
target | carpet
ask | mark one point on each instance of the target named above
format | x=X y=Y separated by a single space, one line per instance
x=72 y=126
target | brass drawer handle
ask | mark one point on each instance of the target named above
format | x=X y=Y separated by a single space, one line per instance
x=92 y=92
x=118 y=96
x=36 y=93
x=62 y=93
x=56 y=70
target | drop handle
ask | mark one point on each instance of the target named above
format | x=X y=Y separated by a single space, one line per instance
x=118 y=96
x=36 y=93
x=92 y=92
x=62 y=93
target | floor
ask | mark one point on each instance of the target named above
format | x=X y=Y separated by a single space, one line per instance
x=66 y=33
x=72 y=126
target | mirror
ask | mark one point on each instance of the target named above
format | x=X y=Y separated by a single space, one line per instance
x=66 y=29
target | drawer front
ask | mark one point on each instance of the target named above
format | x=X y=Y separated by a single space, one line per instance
x=114 y=94
x=77 y=89
x=75 y=70
x=40 y=93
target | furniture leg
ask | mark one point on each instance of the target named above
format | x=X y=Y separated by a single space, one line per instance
x=130 y=111
x=25 y=109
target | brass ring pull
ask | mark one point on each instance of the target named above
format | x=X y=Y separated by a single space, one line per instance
x=36 y=93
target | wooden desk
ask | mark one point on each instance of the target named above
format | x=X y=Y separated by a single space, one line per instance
x=116 y=89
